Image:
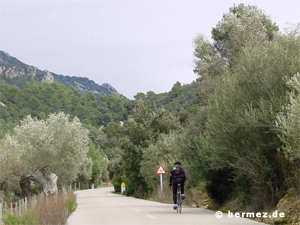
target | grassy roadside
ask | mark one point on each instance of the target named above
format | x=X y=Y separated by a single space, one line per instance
x=52 y=210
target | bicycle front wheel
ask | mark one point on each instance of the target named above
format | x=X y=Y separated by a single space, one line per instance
x=179 y=202
x=180 y=205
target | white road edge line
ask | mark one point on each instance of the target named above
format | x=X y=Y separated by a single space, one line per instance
x=151 y=216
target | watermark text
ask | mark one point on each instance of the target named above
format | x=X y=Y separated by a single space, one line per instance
x=230 y=214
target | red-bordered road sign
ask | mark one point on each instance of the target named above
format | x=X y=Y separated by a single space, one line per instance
x=161 y=170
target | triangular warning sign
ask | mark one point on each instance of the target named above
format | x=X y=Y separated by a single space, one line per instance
x=161 y=170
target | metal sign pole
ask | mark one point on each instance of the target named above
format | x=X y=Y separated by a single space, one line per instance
x=161 y=184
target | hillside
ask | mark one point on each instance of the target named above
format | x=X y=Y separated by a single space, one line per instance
x=17 y=73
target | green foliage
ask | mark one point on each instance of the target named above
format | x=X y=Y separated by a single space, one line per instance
x=289 y=125
x=117 y=181
x=139 y=95
x=98 y=163
x=162 y=152
x=242 y=26
x=289 y=122
x=179 y=98
x=113 y=129
x=71 y=205
x=129 y=190
x=27 y=218
x=58 y=144
x=144 y=128
x=238 y=140
x=176 y=89
x=34 y=103
x=116 y=172
x=41 y=99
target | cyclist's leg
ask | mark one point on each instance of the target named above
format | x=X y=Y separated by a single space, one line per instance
x=182 y=188
x=174 y=192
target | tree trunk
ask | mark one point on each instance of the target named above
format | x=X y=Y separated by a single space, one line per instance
x=1 y=197
x=2 y=185
x=25 y=185
x=49 y=182
x=62 y=189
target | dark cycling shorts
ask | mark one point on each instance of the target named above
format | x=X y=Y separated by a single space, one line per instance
x=175 y=182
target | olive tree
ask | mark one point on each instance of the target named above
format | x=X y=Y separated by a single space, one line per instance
x=243 y=26
x=240 y=139
x=289 y=123
x=49 y=150
x=209 y=65
x=10 y=152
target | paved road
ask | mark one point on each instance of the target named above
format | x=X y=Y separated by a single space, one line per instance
x=101 y=206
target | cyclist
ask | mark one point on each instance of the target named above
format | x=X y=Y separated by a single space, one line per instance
x=177 y=175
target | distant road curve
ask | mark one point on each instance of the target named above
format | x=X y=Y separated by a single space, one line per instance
x=101 y=206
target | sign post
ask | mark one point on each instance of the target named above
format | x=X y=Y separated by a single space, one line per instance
x=161 y=171
x=123 y=187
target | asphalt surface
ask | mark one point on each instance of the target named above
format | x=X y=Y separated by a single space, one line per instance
x=101 y=206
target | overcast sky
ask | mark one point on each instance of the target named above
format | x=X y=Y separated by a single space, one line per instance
x=134 y=45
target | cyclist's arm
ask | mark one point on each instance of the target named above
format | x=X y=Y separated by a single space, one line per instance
x=184 y=174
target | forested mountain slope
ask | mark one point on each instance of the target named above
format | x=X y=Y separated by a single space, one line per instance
x=17 y=73
x=40 y=99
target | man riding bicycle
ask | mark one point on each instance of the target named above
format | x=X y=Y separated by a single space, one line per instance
x=177 y=175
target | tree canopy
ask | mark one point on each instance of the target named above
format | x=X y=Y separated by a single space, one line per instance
x=56 y=145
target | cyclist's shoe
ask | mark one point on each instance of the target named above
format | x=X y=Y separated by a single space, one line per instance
x=175 y=207
x=182 y=197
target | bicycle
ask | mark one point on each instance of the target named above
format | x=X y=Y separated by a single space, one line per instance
x=179 y=198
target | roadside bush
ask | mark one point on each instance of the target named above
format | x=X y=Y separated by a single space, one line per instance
x=52 y=210
x=71 y=202
x=27 y=218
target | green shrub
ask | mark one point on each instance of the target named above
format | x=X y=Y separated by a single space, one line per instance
x=27 y=218
x=71 y=205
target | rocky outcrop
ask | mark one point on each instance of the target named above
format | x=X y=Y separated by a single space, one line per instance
x=31 y=71
x=2 y=68
x=48 y=78
x=14 y=72
x=109 y=87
